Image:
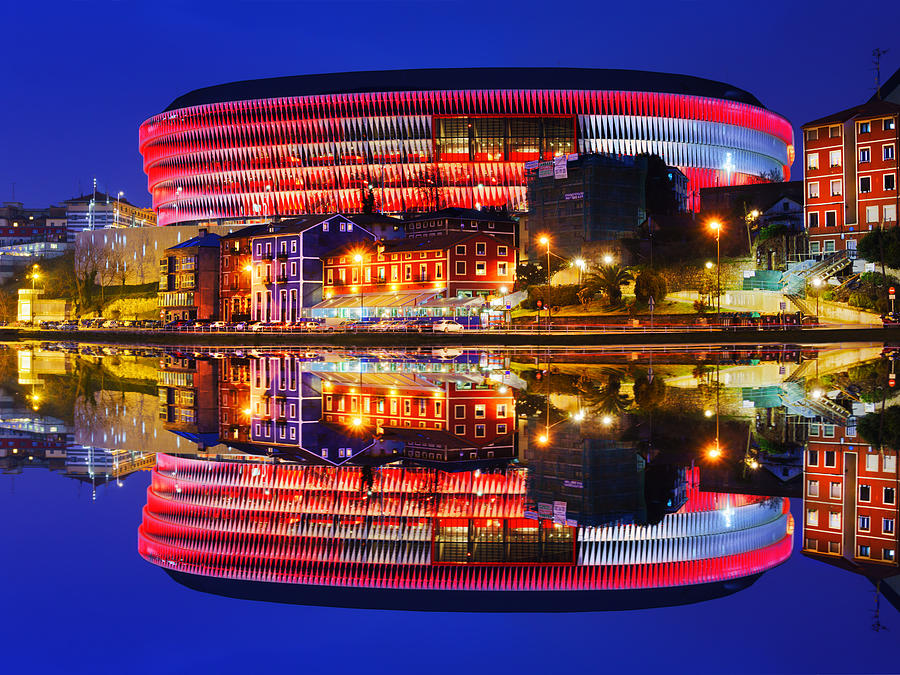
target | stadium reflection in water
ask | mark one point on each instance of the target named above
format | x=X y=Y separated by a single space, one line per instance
x=452 y=481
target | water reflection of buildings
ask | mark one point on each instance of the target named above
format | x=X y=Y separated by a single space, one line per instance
x=297 y=533
x=851 y=510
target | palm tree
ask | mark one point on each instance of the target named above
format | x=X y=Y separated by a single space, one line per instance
x=609 y=280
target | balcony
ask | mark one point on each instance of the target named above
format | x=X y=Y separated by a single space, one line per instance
x=282 y=255
x=282 y=278
x=267 y=256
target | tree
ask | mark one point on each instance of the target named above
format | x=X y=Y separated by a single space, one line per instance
x=771 y=176
x=367 y=197
x=649 y=392
x=427 y=185
x=88 y=259
x=533 y=273
x=881 y=429
x=883 y=241
x=608 y=280
x=648 y=285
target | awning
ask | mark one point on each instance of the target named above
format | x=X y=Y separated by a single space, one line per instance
x=453 y=303
x=378 y=300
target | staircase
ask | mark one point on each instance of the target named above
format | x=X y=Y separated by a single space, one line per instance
x=801 y=304
x=795 y=279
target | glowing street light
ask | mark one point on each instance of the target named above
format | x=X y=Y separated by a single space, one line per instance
x=608 y=259
x=358 y=259
x=716 y=227
x=545 y=241
x=543 y=438
x=714 y=452
x=709 y=264
x=606 y=420
x=35 y=275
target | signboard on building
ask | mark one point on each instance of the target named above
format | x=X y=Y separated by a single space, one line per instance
x=545 y=170
x=560 y=167
x=545 y=510
x=559 y=512
x=574 y=195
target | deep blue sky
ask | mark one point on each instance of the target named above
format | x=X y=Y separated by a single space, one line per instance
x=79 y=77
x=77 y=598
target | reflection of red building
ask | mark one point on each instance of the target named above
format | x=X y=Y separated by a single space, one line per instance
x=480 y=412
x=850 y=498
x=234 y=400
x=406 y=528
x=187 y=395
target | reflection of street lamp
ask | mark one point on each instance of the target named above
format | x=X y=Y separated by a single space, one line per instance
x=545 y=241
x=716 y=227
x=581 y=265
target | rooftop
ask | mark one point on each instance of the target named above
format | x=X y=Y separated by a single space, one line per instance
x=456 y=212
x=201 y=240
x=871 y=108
x=435 y=79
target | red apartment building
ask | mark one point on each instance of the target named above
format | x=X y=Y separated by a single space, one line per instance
x=393 y=277
x=850 y=499
x=234 y=400
x=235 y=272
x=850 y=182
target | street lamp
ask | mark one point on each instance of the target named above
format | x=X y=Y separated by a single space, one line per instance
x=608 y=259
x=359 y=260
x=35 y=275
x=581 y=265
x=817 y=282
x=545 y=241
x=716 y=227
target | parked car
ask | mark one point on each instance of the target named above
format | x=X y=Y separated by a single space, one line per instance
x=422 y=326
x=127 y=323
x=177 y=324
x=240 y=325
x=448 y=326
x=218 y=325
x=265 y=326
x=48 y=325
x=68 y=325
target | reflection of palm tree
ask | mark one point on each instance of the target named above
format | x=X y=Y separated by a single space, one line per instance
x=608 y=398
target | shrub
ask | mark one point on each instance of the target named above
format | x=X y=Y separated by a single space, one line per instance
x=650 y=284
x=560 y=296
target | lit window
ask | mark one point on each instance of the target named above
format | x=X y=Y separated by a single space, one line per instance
x=865 y=127
x=834 y=158
x=836 y=188
x=865 y=155
x=865 y=551
x=864 y=523
x=834 y=520
x=812 y=488
x=812 y=160
x=812 y=517
x=813 y=190
x=887 y=152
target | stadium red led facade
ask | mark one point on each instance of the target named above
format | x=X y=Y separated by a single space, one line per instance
x=417 y=528
x=428 y=139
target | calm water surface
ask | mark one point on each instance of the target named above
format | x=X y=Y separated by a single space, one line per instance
x=716 y=511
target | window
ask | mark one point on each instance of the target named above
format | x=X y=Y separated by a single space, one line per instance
x=812 y=456
x=836 y=188
x=812 y=134
x=889 y=495
x=827 y=432
x=812 y=488
x=831 y=219
x=830 y=457
x=343 y=227
x=812 y=517
x=864 y=127
x=834 y=132
x=459 y=412
x=865 y=155
x=871 y=214
x=480 y=248
x=501 y=410
x=834 y=520
x=813 y=219
x=865 y=184
x=459 y=429
x=864 y=523
x=888 y=554
x=293 y=269
x=812 y=160
x=887 y=152
x=501 y=429
x=479 y=411
x=407 y=273
x=502 y=269
x=872 y=462
x=865 y=493
x=439 y=271
x=887 y=525
x=889 y=463
x=395 y=273
x=890 y=181
x=890 y=213
x=835 y=491
x=293 y=245
x=501 y=251
x=829 y=246
x=480 y=268
x=461 y=249
x=460 y=267
x=834 y=158
x=865 y=551
x=888 y=124
x=813 y=190
x=479 y=431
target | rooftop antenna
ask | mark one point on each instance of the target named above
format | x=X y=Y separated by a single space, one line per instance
x=877 y=53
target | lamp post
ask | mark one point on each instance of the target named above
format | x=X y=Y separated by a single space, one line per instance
x=817 y=282
x=359 y=260
x=119 y=195
x=545 y=241
x=716 y=227
x=35 y=275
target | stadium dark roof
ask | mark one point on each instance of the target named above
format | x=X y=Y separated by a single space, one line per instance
x=429 y=79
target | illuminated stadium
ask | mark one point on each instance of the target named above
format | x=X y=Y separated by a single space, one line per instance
x=428 y=139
